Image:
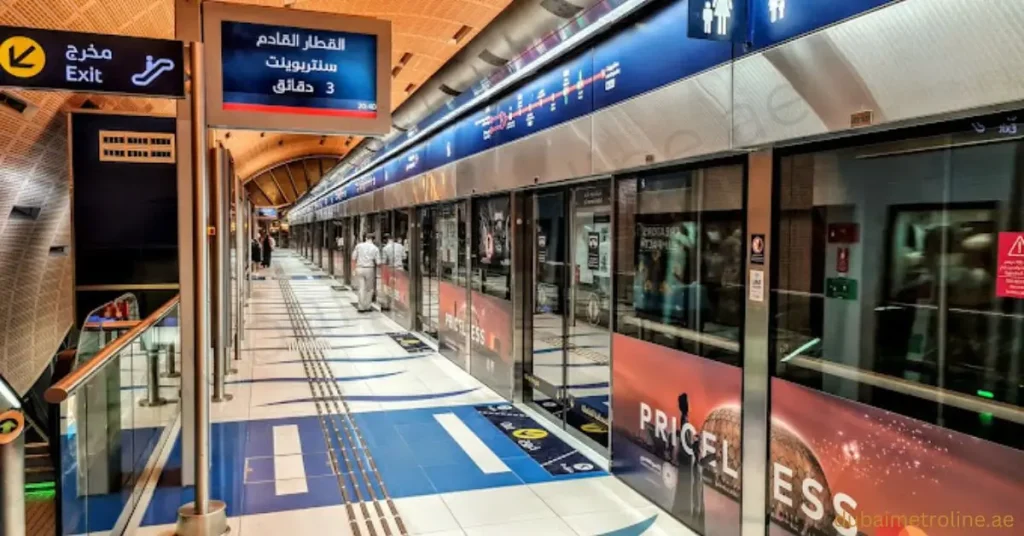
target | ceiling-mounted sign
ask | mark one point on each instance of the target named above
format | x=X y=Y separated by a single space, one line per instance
x=95 y=63
x=296 y=71
x=717 y=20
x=269 y=213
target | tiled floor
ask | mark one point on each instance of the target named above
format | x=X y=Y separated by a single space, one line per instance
x=417 y=417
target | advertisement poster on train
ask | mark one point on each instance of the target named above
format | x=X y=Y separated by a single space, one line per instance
x=396 y=285
x=491 y=341
x=662 y=243
x=676 y=432
x=492 y=230
x=454 y=321
x=836 y=468
x=844 y=468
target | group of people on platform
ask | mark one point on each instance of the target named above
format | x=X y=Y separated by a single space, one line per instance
x=262 y=249
x=366 y=256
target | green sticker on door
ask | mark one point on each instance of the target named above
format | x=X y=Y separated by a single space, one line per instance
x=842 y=288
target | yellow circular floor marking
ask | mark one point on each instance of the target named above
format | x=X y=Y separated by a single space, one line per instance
x=530 y=433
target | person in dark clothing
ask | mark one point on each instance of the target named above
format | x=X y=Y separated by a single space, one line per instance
x=255 y=252
x=268 y=248
x=688 y=503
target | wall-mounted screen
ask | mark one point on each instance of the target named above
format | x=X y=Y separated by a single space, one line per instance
x=298 y=71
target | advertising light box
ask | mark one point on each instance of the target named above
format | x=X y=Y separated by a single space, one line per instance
x=297 y=71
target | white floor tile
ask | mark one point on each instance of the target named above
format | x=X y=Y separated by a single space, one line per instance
x=426 y=515
x=483 y=507
x=587 y=495
x=547 y=527
x=298 y=522
x=595 y=523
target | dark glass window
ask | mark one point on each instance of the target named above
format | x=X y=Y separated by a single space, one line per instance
x=888 y=257
x=680 y=260
x=492 y=256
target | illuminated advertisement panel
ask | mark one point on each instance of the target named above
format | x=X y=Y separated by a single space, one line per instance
x=836 y=468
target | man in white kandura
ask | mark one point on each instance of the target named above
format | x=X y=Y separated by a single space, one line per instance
x=367 y=257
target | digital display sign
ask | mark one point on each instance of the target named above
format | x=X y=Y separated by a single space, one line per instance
x=296 y=71
x=95 y=63
x=274 y=69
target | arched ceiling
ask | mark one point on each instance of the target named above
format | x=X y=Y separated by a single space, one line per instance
x=423 y=39
x=282 y=184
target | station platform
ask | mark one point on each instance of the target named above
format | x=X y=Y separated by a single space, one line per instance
x=340 y=423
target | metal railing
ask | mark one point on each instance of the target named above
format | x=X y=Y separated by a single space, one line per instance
x=101 y=412
x=80 y=376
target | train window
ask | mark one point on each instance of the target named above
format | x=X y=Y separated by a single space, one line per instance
x=680 y=260
x=492 y=250
x=890 y=289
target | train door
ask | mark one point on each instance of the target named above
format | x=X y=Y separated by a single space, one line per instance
x=568 y=370
x=334 y=244
x=450 y=237
x=326 y=233
x=382 y=233
x=427 y=289
x=395 y=269
x=318 y=238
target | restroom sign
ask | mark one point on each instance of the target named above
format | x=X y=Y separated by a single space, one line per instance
x=1010 y=269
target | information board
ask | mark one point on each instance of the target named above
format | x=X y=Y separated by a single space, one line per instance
x=274 y=69
x=95 y=63
x=296 y=71
x=624 y=63
x=556 y=97
x=774 y=21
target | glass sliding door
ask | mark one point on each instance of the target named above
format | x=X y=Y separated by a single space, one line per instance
x=544 y=371
x=677 y=342
x=588 y=339
x=427 y=315
x=453 y=305
x=897 y=330
x=395 y=269
x=491 y=296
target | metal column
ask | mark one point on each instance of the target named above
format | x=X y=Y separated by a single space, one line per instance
x=755 y=350
x=241 y=253
x=218 y=309
x=203 y=517
x=12 y=473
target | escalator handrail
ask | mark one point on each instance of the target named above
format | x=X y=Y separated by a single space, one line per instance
x=61 y=390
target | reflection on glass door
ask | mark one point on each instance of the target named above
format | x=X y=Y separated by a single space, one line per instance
x=429 y=281
x=452 y=270
x=545 y=372
x=382 y=233
x=588 y=344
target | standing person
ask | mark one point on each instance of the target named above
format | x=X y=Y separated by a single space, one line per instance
x=268 y=248
x=366 y=257
x=255 y=253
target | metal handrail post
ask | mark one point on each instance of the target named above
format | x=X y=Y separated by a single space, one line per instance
x=172 y=357
x=204 y=516
x=153 y=397
x=217 y=309
x=12 y=473
x=241 y=254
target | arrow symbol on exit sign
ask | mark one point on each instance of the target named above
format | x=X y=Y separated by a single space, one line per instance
x=18 y=61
